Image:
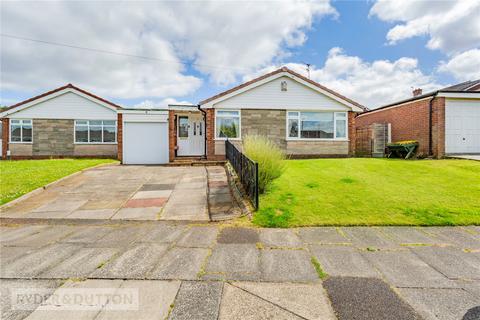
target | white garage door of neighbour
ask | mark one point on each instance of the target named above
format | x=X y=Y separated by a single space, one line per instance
x=462 y=126
x=145 y=143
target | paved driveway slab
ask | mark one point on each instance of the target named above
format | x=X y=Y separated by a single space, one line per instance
x=368 y=237
x=80 y=264
x=238 y=235
x=155 y=300
x=180 y=263
x=322 y=235
x=456 y=236
x=405 y=269
x=134 y=263
x=451 y=261
x=197 y=300
x=13 y=234
x=38 y=260
x=366 y=299
x=287 y=265
x=198 y=237
x=234 y=262
x=441 y=304
x=239 y=304
x=13 y=304
x=46 y=236
x=280 y=238
x=306 y=300
x=411 y=236
x=125 y=193
x=161 y=234
x=343 y=261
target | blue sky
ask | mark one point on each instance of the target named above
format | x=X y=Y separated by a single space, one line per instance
x=371 y=51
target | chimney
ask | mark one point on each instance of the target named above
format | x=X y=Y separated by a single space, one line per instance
x=417 y=92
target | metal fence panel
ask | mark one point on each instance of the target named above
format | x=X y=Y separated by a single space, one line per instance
x=246 y=169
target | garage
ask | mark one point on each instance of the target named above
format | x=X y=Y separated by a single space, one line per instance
x=145 y=138
x=462 y=126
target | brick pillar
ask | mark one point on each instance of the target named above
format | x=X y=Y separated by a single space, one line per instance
x=5 y=136
x=438 y=127
x=351 y=133
x=120 y=137
x=172 y=135
x=210 y=124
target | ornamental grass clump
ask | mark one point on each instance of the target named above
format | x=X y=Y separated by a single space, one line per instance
x=268 y=156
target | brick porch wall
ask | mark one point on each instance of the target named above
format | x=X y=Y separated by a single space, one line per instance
x=410 y=121
x=351 y=133
x=120 y=137
x=5 y=136
x=172 y=135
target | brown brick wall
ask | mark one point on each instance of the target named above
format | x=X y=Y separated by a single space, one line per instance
x=410 y=121
x=210 y=123
x=5 y=136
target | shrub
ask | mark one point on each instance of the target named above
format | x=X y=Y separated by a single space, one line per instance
x=268 y=156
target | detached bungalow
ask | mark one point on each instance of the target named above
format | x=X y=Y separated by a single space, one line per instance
x=303 y=117
x=444 y=122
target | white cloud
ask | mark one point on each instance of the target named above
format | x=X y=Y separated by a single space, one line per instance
x=239 y=35
x=162 y=104
x=464 y=66
x=370 y=83
x=452 y=26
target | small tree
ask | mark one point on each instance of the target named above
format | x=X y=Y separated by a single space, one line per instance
x=268 y=156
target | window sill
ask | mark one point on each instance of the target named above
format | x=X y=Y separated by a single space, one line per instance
x=94 y=143
x=315 y=139
x=225 y=139
x=18 y=142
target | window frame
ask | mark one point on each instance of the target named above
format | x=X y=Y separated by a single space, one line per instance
x=239 y=124
x=88 y=131
x=21 y=130
x=299 y=116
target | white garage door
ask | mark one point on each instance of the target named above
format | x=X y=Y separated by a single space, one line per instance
x=145 y=142
x=462 y=126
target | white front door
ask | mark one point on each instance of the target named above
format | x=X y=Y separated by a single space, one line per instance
x=462 y=126
x=190 y=135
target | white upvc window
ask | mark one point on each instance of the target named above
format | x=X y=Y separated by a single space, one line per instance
x=312 y=125
x=95 y=131
x=21 y=130
x=227 y=124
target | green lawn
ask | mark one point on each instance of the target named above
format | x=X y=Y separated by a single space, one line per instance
x=20 y=177
x=373 y=192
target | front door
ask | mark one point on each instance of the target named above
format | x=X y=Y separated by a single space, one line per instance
x=190 y=135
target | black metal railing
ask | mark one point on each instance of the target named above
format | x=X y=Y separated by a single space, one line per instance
x=246 y=169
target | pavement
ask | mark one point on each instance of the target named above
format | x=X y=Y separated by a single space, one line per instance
x=132 y=193
x=165 y=269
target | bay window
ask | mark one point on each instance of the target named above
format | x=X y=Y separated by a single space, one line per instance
x=316 y=125
x=227 y=124
x=20 y=130
x=95 y=131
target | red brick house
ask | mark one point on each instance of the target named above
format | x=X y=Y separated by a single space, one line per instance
x=444 y=122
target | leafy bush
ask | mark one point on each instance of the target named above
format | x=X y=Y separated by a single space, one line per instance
x=268 y=156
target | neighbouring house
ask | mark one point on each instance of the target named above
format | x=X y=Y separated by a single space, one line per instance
x=303 y=117
x=444 y=122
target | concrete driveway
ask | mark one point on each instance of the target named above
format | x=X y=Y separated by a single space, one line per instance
x=181 y=271
x=129 y=193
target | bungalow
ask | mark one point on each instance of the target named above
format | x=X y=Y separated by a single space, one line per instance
x=301 y=116
x=444 y=122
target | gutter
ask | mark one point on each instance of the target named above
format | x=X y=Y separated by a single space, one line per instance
x=205 y=127
x=430 y=123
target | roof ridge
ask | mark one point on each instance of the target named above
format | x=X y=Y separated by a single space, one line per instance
x=68 y=85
